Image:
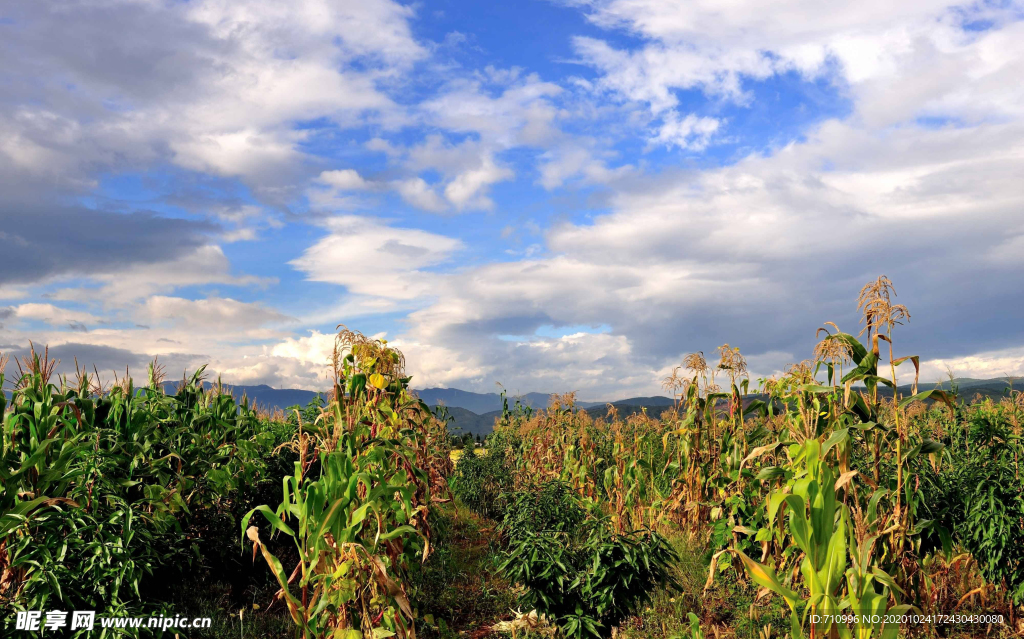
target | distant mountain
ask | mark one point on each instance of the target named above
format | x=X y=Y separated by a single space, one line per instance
x=262 y=395
x=481 y=403
x=969 y=383
x=629 y=407
x=657 y=400
x=475 y=412
x=478 y=403
x=967 y=388
x=464 y=421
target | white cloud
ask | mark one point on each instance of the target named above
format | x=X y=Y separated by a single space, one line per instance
x=469 y=167
x=521 y=114
x=467 y=187
x=582 y=159
x=761 y=253
x=54 y=315
x=211 y=313
x=205 y=265
x=690 y=132
x=8 y=292
x=344 y=180
x=370 y=258
x=897 y=58
x=315 y=348
x=417 y=192
x=340 y=190
x=213 y=85
x=984 y=365
x=739 y=37
x=501 y=110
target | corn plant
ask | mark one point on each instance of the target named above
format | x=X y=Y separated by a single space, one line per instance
x=357 y=501
x=818 y=525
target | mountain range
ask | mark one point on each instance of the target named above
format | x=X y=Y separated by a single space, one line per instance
x=475 y=413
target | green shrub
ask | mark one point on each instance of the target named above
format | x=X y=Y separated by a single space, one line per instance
x=590 y=579
x=978 y=502
x=480 y=480
x=552 y=507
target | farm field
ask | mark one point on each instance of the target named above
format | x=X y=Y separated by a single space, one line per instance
x=458 y=453
x=810 y=504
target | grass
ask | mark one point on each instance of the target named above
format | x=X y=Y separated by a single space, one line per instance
x=730 y=607
x=255 y=620
x=459 y=587
x=464 y=594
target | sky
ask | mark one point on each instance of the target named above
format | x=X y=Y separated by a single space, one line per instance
x=551 y=195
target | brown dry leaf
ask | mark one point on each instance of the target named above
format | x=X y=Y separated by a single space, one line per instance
x=980 y=590
x=757 y=452
x=845 y=479
x=393 y=588
x=253 y=533
x=6 y=574
x=711 y=569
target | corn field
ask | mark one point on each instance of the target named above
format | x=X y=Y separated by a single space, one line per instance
x=813 y=486
x=107 y=492
x=822 y=489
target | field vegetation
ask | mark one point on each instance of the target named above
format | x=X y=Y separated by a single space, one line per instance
x=752 y=508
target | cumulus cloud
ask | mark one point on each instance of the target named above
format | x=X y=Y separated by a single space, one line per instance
x=417 y=192
x=759 y=255
x=690 y=132
x=503 y=107
x=205 y=264
x=341 y=189
x=500 y=110
x=208 y=312
x=469 y=169
x=344 y=180
x=370 y=258
x=1001 y=363
x=53 y=315
x=467 y=187
x=210 y=86
x=866 y=47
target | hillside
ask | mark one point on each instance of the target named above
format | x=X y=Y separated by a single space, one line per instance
x=475 y=413
x=261 y=395
x=481 y=403
x=465 y=421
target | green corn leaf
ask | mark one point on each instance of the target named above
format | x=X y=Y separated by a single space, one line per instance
x=930 y=394
x=765 y=577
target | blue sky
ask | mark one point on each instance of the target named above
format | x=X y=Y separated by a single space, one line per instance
x=550 y=195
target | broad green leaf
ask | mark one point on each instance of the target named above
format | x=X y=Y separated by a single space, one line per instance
x=765 y=577
x=929 y=394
